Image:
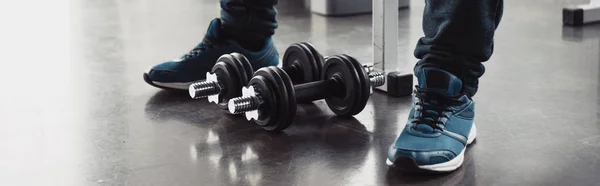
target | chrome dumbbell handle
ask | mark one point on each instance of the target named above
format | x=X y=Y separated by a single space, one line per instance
x=210 y=88
x=249 y=103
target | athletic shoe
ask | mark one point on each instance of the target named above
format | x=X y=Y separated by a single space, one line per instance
x=439 y=128
x=178 y=74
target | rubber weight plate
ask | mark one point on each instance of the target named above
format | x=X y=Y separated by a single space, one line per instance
x=307 y=68
x=228 y=75
x=279 y=108
x=270 y=112
x=358 y=94
x=246 y=66
x=338 y=66
x=365 y=85
x=265 y=88
x=242 y=76
x=318 y=58
x=288 y=107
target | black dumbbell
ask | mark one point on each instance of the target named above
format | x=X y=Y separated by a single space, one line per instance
x=233 y=71
x=270 y=98
x=302 y=62
x=230 y=72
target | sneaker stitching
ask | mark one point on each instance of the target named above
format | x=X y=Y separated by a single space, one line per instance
x=268 y=53
x=457 y=114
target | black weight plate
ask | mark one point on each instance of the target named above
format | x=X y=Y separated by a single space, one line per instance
x=270 y=111
x=246 y=66
x=286 y=109
x=291 y=62
x=276 y=111
x=241 y=71
x=229 y=77
x=287 y=116
x=365 y=85
x=357 y=104
x=358 y=94
x=338 y=66
x=315 y=64
x=318 y=58
x=265 y=88
x=300 y=56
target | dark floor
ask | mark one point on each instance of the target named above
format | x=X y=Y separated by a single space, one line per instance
x=74 y=109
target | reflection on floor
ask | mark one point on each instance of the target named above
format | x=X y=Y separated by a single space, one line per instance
x=90 y=119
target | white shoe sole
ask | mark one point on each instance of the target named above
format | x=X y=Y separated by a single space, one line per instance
x=180 y=86
x=449 y=165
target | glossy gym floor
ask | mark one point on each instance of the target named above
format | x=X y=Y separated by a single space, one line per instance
x=74 y=109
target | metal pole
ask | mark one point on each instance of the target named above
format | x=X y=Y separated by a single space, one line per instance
x=385 y=36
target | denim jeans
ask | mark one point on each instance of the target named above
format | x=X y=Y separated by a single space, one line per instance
x=459 y=37
x=249 y=19
x=459 y=34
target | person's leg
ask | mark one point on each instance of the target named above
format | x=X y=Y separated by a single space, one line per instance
x=458 y=38
x=249 y=21
x=245 y=27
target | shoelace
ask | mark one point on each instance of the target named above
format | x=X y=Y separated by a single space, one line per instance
x=207 y=43
x=432 y=107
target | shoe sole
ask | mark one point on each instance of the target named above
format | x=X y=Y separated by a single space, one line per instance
x=407 y=164
x=168 y=86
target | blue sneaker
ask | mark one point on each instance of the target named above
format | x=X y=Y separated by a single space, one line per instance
x=178 y=74
x=439 y=128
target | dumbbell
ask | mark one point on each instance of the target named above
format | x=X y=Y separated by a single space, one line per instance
x=270 y=98
x=233 y=71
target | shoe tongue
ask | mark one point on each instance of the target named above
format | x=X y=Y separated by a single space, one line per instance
x=424 y=129
x=214 y=28
x=440 y=81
